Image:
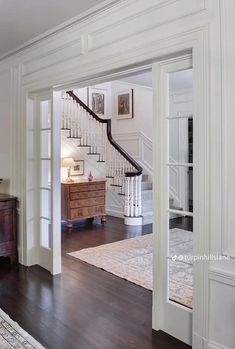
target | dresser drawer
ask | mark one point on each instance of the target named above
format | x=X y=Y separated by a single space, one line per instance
x=7 y=232
x=8 y=228
x=74 y=188
x=87 y=194
x=96 y=186
x=87 y=202
x=85 y=212
x=8 y=204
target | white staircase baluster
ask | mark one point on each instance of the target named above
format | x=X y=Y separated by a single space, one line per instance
x=62 y=110
x=136 y=196
x=127 y=197
x=139 y=195
x=132 y=196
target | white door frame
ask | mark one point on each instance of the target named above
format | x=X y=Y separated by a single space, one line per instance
x=194 y=41
x=179 y=321
x=47 y=257
x=168 y=316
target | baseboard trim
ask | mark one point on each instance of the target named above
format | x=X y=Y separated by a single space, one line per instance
x=133 y=220
x=114 y=213
x=214 y=345
x=199 y=342
x=222 y=276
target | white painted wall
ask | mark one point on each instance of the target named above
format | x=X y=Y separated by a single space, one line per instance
x=5 y=130
x=69 y=149
x=222 y=274
x=143 y=109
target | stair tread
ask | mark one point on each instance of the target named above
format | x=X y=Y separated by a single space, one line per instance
x=73 y=137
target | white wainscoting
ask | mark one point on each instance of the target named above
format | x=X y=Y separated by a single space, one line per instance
x=139 y=146
x=114 y=204
x=222 y=305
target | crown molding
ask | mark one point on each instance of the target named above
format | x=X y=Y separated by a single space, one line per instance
x=104 y=5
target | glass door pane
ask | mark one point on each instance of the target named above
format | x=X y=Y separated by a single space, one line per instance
x=45 y=174
x=180 y=261
x=173 y=233
x=180 y=188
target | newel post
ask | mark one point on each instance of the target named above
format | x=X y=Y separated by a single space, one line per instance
x=132 y=210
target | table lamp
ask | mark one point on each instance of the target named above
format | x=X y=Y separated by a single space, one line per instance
x=68 y=163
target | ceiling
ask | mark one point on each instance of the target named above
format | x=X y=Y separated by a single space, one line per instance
x=177 y=80
x=23 y=20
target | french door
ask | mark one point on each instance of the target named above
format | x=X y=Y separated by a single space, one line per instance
x=173 y=197
x=48 y=181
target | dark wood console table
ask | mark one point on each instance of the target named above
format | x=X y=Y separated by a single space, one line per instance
x=8 y=227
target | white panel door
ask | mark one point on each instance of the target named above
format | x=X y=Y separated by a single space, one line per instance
x=49 y=197
x=173 y=199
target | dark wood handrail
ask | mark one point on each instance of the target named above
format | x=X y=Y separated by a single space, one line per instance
x=135 y=164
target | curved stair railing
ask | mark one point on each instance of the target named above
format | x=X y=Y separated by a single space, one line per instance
x=93 y=132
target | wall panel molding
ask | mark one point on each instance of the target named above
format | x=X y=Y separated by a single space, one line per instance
x=228 y=85
x=143 y=148
x=162 y=13
x=222 y=276
x=61 y=53
x=214 y=345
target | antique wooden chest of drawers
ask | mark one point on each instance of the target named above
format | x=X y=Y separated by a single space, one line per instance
x=8 y=227
x=80 y=200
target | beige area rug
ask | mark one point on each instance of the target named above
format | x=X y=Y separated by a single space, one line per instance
x=132 y=259
x=13 y=336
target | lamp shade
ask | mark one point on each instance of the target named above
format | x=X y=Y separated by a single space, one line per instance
x=68 y=162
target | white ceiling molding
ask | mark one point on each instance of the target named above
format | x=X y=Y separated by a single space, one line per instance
x=101 y=6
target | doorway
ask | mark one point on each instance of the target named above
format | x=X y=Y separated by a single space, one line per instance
x=168 y=197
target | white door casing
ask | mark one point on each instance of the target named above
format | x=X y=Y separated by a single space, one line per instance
x=167 y=315
x=43 y=176
x=188 y=38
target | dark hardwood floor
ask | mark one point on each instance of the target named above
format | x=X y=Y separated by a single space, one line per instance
x=84 y=307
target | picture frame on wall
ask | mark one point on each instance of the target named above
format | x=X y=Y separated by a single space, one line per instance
x=78 y=168
x=97 y=101
x=124 y=104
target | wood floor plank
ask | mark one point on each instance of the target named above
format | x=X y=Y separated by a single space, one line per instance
x=84 y=307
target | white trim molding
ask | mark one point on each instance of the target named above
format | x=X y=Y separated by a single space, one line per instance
x=143 y=145
x=214 y=345
x=228 y=51
x=105 y=4
x=222 y=276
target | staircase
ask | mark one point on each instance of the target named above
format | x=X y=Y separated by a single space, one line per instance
x=123 y=173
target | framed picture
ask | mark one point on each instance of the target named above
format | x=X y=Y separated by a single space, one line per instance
x=124 y=104
x=78 y=168
x=97 y=101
